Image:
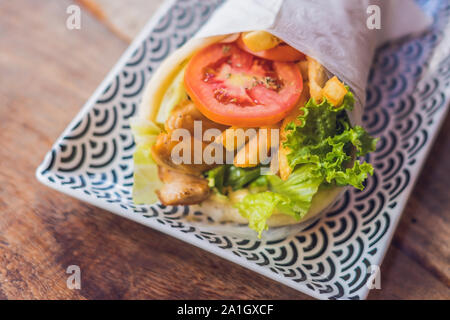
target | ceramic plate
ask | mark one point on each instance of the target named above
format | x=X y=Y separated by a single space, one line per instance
x=407 y=98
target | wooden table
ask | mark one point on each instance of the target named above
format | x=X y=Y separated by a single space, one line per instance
x=47 y=73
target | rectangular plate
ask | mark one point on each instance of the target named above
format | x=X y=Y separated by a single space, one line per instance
x=335 y=256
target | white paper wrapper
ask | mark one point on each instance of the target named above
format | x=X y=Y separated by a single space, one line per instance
x=334 y=32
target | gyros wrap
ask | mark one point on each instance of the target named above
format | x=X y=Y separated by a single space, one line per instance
x=254 y=120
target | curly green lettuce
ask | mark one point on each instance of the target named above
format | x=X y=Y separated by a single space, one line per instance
x=292 y=197
x=325 y=137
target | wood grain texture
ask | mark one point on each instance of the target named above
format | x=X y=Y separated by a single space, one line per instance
x=124 y=18
x=48 y=72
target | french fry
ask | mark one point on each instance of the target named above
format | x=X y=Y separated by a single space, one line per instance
x=231 y=139
x=284 y=168
x=317 y=78
x=334 y=91
x=260 y=40
x=303 y=66
x=248 y=156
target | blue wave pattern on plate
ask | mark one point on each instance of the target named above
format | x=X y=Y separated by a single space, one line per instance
x=332 y=258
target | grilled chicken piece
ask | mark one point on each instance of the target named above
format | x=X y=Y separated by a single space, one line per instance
x=162 y=154
x=184 y=115
x=183 y=184
x=181 y=189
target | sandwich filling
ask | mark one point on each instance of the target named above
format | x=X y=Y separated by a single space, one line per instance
x=253 y=123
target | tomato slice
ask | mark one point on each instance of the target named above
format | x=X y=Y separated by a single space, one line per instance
x=232 y=87
x=282 y=52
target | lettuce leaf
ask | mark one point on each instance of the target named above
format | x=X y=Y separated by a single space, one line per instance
x=145 y=176
x=175 y=94
x=317 y=122
x=259 y=185
x=325 y=138
x=292 y=197
x=299 y=188
x=258 y=207
x=354 y=176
